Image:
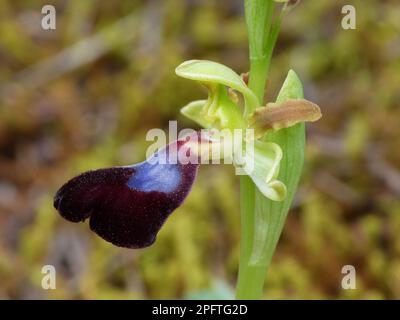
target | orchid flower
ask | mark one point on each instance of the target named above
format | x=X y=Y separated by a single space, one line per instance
x=128 y=205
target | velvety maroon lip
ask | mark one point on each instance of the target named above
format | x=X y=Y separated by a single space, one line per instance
x=126 y=206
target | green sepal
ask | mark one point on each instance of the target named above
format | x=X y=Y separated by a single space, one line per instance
x=194 y=111
x=262 y=165
x=211 y=74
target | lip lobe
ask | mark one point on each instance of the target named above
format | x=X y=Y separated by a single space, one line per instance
x=126 y=205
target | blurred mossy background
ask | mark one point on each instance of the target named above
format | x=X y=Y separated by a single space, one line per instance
x=84 y=95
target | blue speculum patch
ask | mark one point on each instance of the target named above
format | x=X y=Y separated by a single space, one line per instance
x=155 y=177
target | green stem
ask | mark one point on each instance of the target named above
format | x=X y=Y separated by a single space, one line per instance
x=258 y=76
x=251 y=278
x=256 y=210
x=259 y=21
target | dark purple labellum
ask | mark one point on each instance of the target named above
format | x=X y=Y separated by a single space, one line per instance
x=127 y=205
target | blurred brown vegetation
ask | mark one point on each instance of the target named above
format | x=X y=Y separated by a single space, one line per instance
x=84 y=95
